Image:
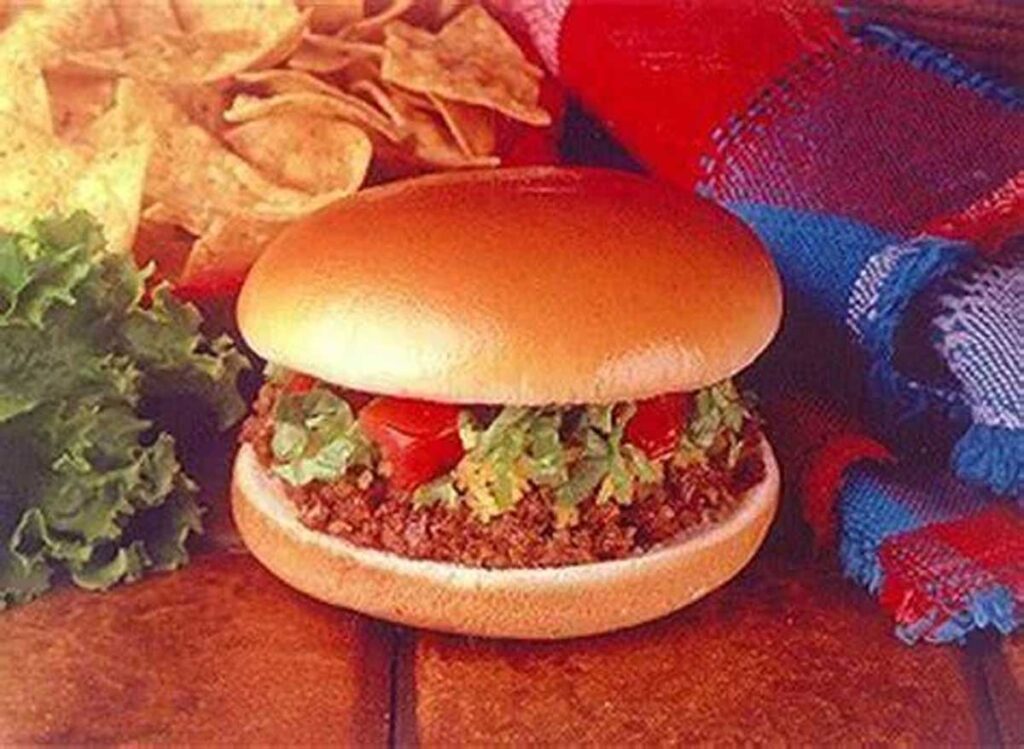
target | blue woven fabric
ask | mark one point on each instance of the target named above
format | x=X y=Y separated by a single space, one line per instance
x=835 y=169
x=886 y=286
x=979 y=333
x=845 y=270
x=845 y=243
x=819 y=256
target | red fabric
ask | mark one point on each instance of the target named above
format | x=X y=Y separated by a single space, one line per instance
x=711 y=59
x=524 y=145
x=989 y=222
x=817 y=442
x=823 y=477
x=914 y=561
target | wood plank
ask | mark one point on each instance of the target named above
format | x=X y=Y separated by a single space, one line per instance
x=787 y=653
x=1004 y=671
x=218 y=652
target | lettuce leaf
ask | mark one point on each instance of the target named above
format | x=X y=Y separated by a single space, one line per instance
x=524 y=447
x=316 y=438
x=608 y=466
x=716 y=425
x=90 y=488
x=520 y=447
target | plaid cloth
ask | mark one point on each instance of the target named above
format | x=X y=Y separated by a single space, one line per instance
x=885 y=177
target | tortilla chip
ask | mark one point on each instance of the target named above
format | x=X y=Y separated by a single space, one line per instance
x=110 y=188
x=204 y=104
x=472 y=60
x=330 y=16
x=277 y=81
x=360 y=69
x=447 y=8
x=474 y=128
x=344 y=107
x=319 y=53
x=44 y=34
x=314 y=154
x=44 y=175
x=346 y=47
x=431 y=143
x=198 y=177
x=225 y=253
x=212 y=42
x=23 y=93
x=77 y=100
x=122 y=147
x=265 y=18
x=140 y=19
x=368 y=27
x=36 y=169
x=315 y=59
x=376 y=94
x=186 y=59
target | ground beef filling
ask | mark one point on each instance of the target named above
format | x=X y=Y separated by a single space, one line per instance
x=526 y=536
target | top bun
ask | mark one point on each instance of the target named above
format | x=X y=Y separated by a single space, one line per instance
x=520 y=286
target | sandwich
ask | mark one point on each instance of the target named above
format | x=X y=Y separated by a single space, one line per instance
x=503 y=403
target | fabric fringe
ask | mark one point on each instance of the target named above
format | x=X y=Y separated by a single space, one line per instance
x=992 y=456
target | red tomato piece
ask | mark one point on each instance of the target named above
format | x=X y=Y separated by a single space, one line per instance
x=658 y=422
x=299 y=383
x=419 y=439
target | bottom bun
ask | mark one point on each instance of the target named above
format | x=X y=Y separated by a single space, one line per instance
x=548 y=603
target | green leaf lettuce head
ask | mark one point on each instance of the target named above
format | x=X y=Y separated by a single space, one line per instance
x=91 y=489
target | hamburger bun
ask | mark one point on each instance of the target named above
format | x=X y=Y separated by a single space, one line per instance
x=543 y=603
x=522 y=287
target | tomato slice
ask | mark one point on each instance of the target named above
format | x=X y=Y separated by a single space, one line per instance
x=658 y=422
x=419 y=439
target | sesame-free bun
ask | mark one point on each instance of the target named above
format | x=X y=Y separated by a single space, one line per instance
x=528 y=603
x=519 y=286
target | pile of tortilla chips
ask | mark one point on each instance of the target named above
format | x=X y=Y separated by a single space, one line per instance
x=195 y=130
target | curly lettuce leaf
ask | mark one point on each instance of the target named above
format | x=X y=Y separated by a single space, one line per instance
x=497 y=469
x=90 y=489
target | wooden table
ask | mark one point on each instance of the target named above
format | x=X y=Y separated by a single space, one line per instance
x=789 y=652
x=221 y=651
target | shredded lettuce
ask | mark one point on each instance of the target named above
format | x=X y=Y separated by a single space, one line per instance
x=316 y=438
x=716 y=425
x=523 y=448
x=576 y=451
x=90 y=487
x=613 y=469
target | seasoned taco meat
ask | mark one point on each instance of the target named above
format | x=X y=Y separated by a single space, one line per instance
x=364 y=507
